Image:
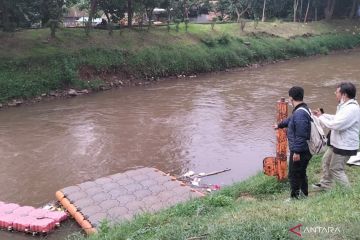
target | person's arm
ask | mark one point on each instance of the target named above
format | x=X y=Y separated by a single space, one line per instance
x=284 y=123
x=342 y=120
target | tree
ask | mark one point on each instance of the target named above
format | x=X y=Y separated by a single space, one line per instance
x=239 y=7
x=222 y=6
x=355 y=3
x=307 y=11
x=18 y=13
x=295 y=8
x=130 y=12
x=149 y=6
x=51 y=11
x=263 y=13
x=92 y=11
x=329 y=9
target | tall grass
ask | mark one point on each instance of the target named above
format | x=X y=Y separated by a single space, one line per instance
x=28 y=77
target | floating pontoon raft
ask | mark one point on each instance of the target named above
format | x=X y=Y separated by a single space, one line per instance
x=121 y=196
x=29 y=219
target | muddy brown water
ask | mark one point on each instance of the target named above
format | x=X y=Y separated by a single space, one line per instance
x=204 y=124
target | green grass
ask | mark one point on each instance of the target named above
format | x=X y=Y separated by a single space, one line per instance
x=252 y=209
x=31 y=64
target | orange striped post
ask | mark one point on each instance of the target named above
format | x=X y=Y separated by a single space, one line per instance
x=277 y=166
x=281 y=141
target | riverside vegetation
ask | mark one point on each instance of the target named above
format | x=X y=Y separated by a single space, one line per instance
x=33 y=65
x=252 y=209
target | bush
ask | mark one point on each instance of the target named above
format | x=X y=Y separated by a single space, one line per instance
x=208 y=41
x=224 y=39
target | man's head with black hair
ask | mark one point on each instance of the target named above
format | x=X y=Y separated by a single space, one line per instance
x=348 y=89
x=296 y=93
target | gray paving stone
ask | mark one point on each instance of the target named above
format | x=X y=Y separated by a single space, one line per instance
x=115 y=193
x=76 y=196
x=125 y=181
x=140 y=194
x=148 y=183
x=93 y=191
x=100 y=197
x=97 y=218
x=90 y=210
x=132 y=173
x=171 y=185
x=104 y=180
x=132 y=206
x=162 y=179
x=133 y=187
x=150 y=200
x=87 y=185
x=120 y=197
x=83 y=203
x=108 y=204
x=110 y=186
x=117 y=212
x=126 y=199
x=156 y=189
x=139 y=178
x=68 y=190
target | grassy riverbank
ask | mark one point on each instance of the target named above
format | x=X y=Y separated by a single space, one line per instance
x=31 y=65
x=253 y=209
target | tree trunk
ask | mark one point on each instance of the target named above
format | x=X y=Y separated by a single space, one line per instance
x=296 y=4
x=109 y=25
x=301 y=9
x=149 y=13
x=329 y=10
x=316 y=14
x=91 y=15
x=107 y=16
x=263 y=15
x=237 y=14
x=130 y=13
x=186 y=9
x=307 y=11
x=5 y=15
x=353 y=9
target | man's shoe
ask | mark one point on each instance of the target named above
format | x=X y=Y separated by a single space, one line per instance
x=302 y=195
x=318 y=186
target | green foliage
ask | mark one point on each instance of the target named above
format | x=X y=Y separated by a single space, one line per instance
x=104 y=228
x=177 y=23
x=28 y=77
x=208 y=41
x=224 y=39
x=219 y=201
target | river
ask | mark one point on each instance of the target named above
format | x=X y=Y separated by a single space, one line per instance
x=208 y=123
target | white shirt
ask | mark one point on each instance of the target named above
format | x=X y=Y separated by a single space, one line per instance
x=344 y=125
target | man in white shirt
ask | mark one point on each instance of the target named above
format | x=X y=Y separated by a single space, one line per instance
x=344 y=137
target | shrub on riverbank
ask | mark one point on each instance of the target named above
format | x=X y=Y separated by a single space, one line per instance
x=253 y=209
x=29 y=77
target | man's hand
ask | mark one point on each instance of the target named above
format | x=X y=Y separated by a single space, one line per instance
x=275 y=126
x=296 y=157
x=317 y=112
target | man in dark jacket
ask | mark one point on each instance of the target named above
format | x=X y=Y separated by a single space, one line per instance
x=298 y=132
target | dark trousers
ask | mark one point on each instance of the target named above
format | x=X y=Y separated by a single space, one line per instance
x=297 y=174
